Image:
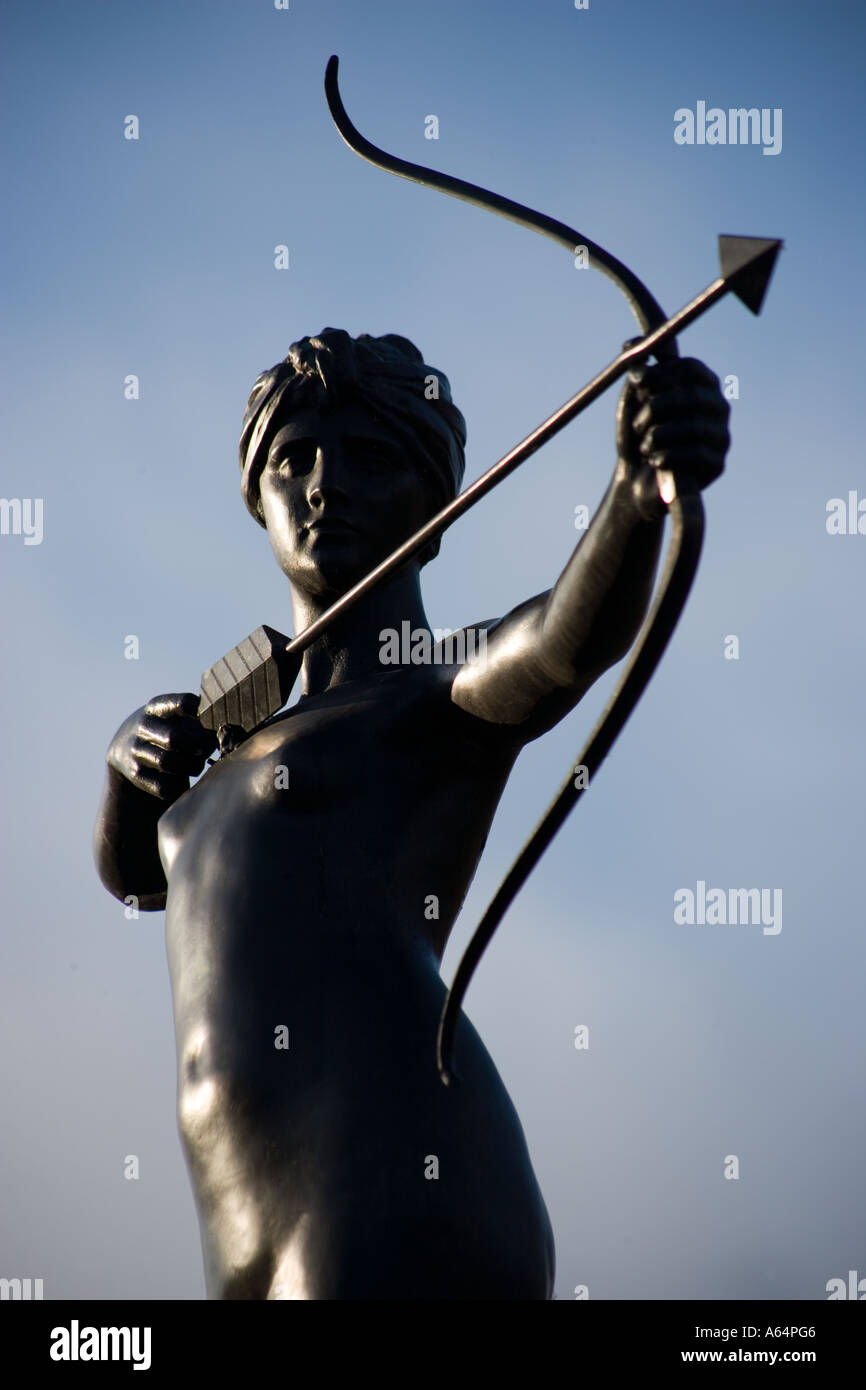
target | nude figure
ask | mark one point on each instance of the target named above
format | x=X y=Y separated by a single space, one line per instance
x=297 y=873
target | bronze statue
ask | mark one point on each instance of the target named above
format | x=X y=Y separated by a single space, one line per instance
x=312 y=875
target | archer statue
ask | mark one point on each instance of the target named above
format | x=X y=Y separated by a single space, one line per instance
x=312 y=875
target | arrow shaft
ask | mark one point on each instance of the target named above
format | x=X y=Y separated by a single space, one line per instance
x=638 y=350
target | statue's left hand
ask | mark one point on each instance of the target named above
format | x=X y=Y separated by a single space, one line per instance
x=672 y=417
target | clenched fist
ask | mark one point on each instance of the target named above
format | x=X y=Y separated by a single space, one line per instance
x=672 y=417
x=162 y=745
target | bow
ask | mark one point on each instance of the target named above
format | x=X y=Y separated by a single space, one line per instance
x=687 y=514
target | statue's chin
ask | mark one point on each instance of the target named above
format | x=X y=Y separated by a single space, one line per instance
x=327 y=579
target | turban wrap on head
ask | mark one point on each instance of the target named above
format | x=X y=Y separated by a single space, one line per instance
x=386 y=374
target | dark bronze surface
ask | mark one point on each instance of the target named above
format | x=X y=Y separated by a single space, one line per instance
x=304 y=901
x=312 y=875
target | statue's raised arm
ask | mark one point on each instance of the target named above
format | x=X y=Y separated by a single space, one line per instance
x=541 y=659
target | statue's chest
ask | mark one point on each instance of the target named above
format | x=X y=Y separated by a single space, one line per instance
x=311 y=764
x=342 y=760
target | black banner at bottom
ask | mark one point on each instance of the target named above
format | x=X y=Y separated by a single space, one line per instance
x=157 y=1339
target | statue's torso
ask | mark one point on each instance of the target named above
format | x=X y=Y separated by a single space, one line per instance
x=314 y=876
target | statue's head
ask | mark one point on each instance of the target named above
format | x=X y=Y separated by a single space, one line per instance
x=358 y=430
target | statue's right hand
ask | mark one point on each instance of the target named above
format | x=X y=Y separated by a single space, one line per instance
x=162 y=745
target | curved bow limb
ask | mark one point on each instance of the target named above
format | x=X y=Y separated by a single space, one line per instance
x=645 y=307
x=687 y=514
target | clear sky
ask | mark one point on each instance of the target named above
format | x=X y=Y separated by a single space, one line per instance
x=155 y=257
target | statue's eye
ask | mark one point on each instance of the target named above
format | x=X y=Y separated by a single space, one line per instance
x=377 y=459
x=373 y=455
x=296 y=457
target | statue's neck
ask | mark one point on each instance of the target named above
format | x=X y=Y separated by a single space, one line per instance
x=350 y=649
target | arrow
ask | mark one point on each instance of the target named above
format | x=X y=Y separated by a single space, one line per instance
x=253 y=681
x=746 y=264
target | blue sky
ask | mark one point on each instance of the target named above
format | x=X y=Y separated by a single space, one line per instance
x=155 y=257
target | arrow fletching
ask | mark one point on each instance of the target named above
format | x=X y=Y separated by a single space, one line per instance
x=250 y=683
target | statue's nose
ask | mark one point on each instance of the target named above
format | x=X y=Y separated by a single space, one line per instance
x=328 y=476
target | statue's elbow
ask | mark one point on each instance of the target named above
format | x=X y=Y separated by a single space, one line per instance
x=139 y=891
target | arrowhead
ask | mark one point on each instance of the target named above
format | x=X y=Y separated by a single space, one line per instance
x=747 y=264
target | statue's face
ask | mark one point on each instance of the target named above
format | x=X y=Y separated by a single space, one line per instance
x=338 y=494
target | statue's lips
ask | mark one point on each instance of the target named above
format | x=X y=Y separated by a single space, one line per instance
x=331 y=526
